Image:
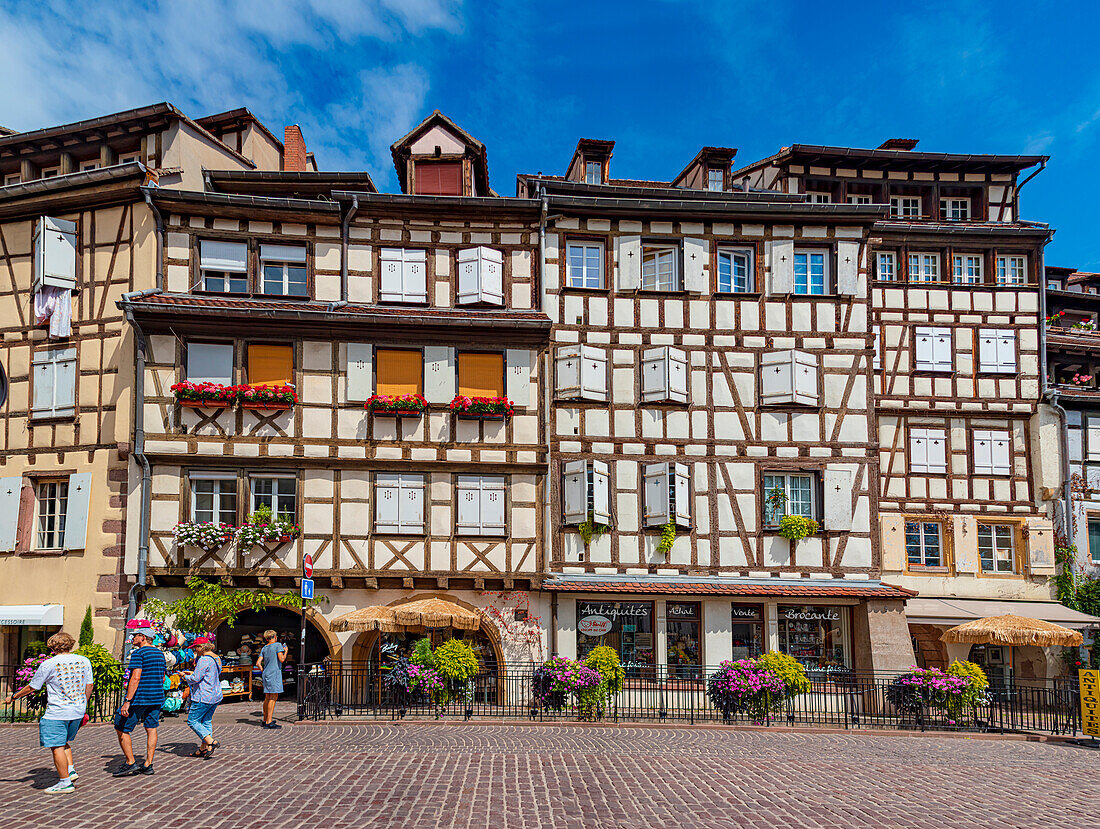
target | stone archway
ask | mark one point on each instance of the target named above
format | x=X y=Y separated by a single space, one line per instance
x=319 y=623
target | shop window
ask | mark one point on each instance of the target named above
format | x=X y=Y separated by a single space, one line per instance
x=684 y=651
x=664 y=375
x=53 y=382
x=927 y=451
x=480 y=276
x=54 y=253
x=811 y=272
x=735 y=271
x=661 y=268
x=932 y=348
x=996 y=351
x=223 y=266
x=270 y=365
x=279 y=493
x=53 y=497
x=924 y=544
x=1094 y=540
x=992 y=452
x=789 y=376
x=586 y=492
x=886 y=266
x=584 y=265
x=210 y=363
x=284 y=270
x=400 y=371
x=480 y=505
x=789 y=494
x=404 y=275
x=966 y=269
x=997 y=548
x=481 y=375
x=816 y=637
x=581 y=373
x=667 y=494
x=627 y=627
x=214 y=498
x=399 y=503
x=748 y=630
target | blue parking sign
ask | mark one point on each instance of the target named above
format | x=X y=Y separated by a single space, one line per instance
x=307 y=588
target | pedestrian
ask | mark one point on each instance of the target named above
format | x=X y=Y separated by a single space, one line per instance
x=205 y=689
x=67 y=678
x=271 y=660
x=143 y=701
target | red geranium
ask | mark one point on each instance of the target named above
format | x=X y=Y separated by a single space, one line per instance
x=482 y=406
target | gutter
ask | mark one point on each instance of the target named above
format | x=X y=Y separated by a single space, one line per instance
x=160 y=245
x=344 y=225
x=1051 y=396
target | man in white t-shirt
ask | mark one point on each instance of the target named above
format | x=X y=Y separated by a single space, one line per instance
x=67 y=679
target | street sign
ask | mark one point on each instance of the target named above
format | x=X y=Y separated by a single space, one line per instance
x=307 y=565
x=1090 y=702
x=307 y=588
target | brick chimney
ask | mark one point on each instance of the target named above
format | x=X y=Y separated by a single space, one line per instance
x=294 y=150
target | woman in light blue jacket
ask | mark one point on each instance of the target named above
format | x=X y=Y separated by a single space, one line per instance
x=204 y=685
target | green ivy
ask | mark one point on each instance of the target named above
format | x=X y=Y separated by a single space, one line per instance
x=590 y=529
x=668 y=537
x=208 y=603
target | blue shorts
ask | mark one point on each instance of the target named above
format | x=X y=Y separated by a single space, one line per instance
x=57 y=733
x=147 y=715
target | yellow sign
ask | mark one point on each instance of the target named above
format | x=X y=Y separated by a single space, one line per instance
x=1090 y=702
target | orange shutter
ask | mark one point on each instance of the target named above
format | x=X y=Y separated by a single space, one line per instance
x=481 y=375
x=400 y=372
x=438 y=178
x=270 y=365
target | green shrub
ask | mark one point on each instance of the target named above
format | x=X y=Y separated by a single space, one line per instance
x=788 y=669
x=35 y=647
x=606 y=662
x=456 y=661
x=959 y=705
x=422 y=653
x=87 y=633
x=796 y=527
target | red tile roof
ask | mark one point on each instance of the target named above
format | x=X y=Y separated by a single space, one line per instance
x=873 y=590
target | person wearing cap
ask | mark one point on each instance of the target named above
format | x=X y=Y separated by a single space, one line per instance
x=205 y=689
x=142 y=702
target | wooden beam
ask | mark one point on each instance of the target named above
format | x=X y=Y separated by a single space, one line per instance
x=265 y=581
x=441 y=582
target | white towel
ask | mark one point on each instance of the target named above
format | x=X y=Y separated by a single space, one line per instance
x=55 y=304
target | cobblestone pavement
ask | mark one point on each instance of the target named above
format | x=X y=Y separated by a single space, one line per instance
x=333 y=776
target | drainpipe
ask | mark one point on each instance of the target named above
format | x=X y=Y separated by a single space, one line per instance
x=344 y=248
x=160 y=242
x=547 y=401
x=1051 y=396
x=1020 y=186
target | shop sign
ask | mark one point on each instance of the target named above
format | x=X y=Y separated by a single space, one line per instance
x=811 y=614
x=1090 y=702
x=610 y=610
x=682 y=610
x=745 y=612
x=594 y=625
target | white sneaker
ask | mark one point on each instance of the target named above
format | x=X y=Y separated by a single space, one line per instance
x=59 y=787
x=73 y=774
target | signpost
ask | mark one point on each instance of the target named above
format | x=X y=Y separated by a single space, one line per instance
x=1090 y=703
x=307 y=595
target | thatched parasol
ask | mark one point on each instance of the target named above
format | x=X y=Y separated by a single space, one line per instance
x=436 y=613
x=376 y=617
x=1013 y=631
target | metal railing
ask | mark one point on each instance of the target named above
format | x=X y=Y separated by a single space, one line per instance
x=101 y=707
x=850 y=700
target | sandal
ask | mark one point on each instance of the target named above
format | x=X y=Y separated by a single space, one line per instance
x=210 y=751
x=199 y=753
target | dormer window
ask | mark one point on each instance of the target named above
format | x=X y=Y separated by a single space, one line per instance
x=593 y=172
x=439 y=178
x=716 y=180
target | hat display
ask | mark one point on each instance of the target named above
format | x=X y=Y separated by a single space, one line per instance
x=169 y=660
x=225 y=684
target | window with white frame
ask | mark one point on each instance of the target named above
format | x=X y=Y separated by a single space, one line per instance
x=214 y=498
x=789 y=493
x=593 y=172
x=581 y=372
x=924 y=543
x=480 y=276
x=1094 y=538
x=996 y=351
x=399 y=503
x=53 y=498
x=789 y=376
x=1011 y=270
x=886 y=266
x=87 y=166
x=992 y=452
x=811 y=271
x=818 y=197
x=584 y=265
x=279 y=493
x=924 y=267
x=210 y=363
x=933 y=348
x=735 y=271
x=480 y=505
x=664 y=375
x=660 y=267
x=997 y=548
x=223 y=266
x=927 y=450
x=129 y=158
x=716 y=179
x=666 y=494
x=404 y=276
x=53 y=381
x=966 y=269
x=905 y=207
x=283 y=269
x=586 y=492
x=858 y=198
x=955 y=209
x=12 y=178
x=49 y=172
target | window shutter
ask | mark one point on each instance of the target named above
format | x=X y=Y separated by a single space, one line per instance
x=1092 y=438
x=231 y=257
x=781 y=262
x=655 y=494
x=838 y=499
x=390 y=278
x=360 y=382
x=54 y=382
x=918 y=450
x=847 y=268
x=628 y=260
x=492 y=506
x=469 y=504
x=575 y=492
x=411 y=508
x=593 y=373
x=568 y=364
x=942 y=356
x=270 y=365
x=923 y=347
x=414 y=276
x=76 y=513
x=695 y=255
x=10 y=489
x=677 y=375
x=1001 y=444
x=655 y=378
x=805 y=371
x=876 y=361
x=988 y=349
x=469 y=287
x=387 y=500
x=210 y=362
x=491 y=269
x=776 y=378
x=1040 y=547
x=1006 y=352
x=55 y=253
x=517 y=376
x=983 y=452
x=399 y=371
x=601 y=492
x=439 y=374
x=43 y=383
x=682 y=488
x=937 y=451
x=295 y=254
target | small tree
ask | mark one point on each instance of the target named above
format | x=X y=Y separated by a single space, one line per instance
x=209 y=602
x=87 y=634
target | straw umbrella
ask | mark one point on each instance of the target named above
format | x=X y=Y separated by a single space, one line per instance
x=375 y=617
x=1013 y=631
x=436 y=613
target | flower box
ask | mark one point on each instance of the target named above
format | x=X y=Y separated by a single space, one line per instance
x=205 y=404
x=207 y=537
x=482 y=416
x=482 y=408
x=204 y=395
x=403 y=405
x=265 y=397
x=261 y=404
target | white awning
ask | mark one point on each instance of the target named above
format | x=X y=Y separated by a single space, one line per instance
x=38 y=615
x=956 y=611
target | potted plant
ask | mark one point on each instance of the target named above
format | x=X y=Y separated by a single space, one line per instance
x=397 y=405
x=206 y=536
x=482 y=408
x=559 y=677
x=745 y=687
x=266 y=397
x=796 y=527
x=263 y=527
x=204 y=395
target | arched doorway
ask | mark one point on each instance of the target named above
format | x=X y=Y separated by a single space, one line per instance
x=248 y=631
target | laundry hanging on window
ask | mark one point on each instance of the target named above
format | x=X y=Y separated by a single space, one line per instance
x=54 y=304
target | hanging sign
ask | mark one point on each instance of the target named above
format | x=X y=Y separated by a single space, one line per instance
x=594 y=625
x=307 y=588
x=1090 y=702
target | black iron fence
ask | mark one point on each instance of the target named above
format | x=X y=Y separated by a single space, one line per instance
x=101 y=707
x=848 y=700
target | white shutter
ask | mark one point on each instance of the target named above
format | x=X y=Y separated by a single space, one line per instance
x=574 y=492
x=988 y=349
x=411 y=506
x=804 y=370
x=781 y=262
x=54 y=381
x=360 y=380
x=440 y=380
x=677 y=375
x=695 y=255
x=1040 y=547
x=295 y=254
x=414 y=277
x=517 y=376
x=1001 y=443
x=838 y=499
x=655 y=494
x=876 y=332
x=210 y=362
x=492 y=275
x=391 y=280
x=469 y=505
x=682 y=489
x=387 y=503
x=918 y=450
x=937 y=450
x=231 y=257
x=847 y=268
x=10 y=490
x=1092 y=438
x=943 y=358
x=568 y=364
x=593 y=373
x=923 y=347
x=776 y=377
x=628 y=260
x=492 y=506
x=601 y=492
x=655 y=374
x=469 y=283
x=983 y=452
x=1006 y=352
x=43 y=383
x=55 y=253
x=76 y=511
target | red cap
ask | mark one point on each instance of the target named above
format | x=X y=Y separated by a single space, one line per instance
x=202 y=640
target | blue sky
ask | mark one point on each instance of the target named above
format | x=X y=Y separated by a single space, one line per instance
x=529 y=78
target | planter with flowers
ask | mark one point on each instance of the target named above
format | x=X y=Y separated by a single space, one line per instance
x=204 y=395
x=263 y=527
x=482 y=408
x=397 y=405
x=207 y=537
x=266 y=397
x=559 y=678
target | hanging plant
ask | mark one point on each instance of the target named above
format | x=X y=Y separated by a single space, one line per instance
x=590 y=528
x=796 y=527
x=668 y=537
